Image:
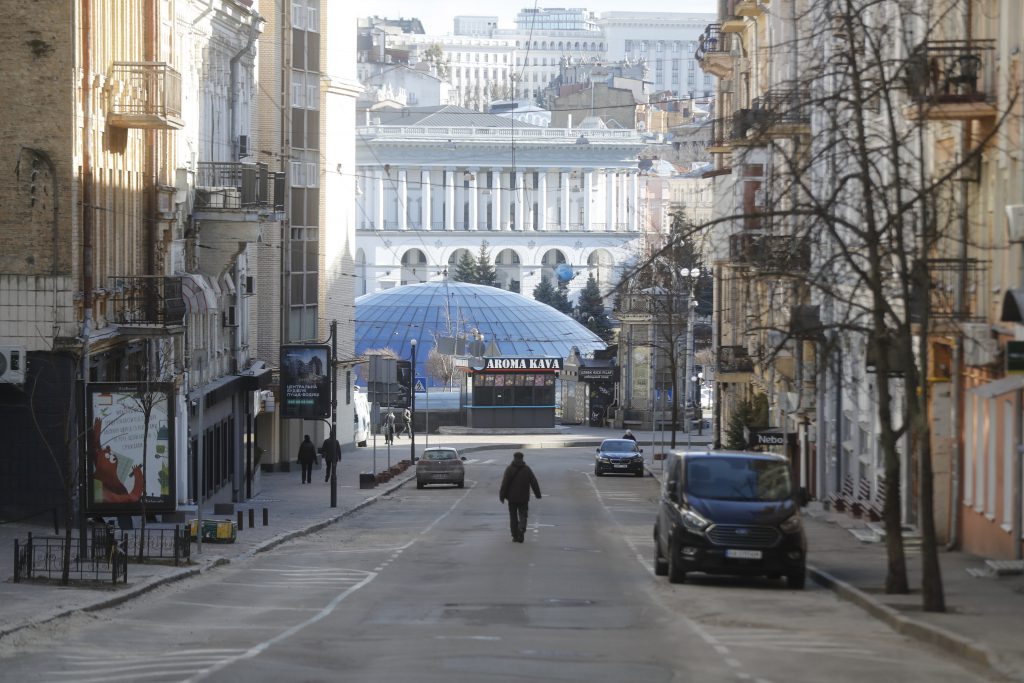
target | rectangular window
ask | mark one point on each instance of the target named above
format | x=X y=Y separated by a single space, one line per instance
x=313 y=16
x=312 y=92
x=298 y=89
x=298 y=14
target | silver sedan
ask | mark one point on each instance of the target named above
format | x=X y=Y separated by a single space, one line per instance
x=440 y=466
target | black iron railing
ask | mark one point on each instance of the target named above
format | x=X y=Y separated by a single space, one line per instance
x=236 y=186
x=949 y=71
x=159 y=543
x=781 y=254
x=147 y=300
x=145 y=90
x=42 y=557
x=712 y=42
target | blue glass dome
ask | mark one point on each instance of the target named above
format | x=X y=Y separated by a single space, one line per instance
x=427 y=312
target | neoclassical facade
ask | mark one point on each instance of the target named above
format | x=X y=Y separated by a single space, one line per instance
x=435 y=182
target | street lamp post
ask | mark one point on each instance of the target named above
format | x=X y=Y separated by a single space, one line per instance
x=412 y=404
x=698 y=382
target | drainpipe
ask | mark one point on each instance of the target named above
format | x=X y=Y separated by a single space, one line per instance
x=233 y=71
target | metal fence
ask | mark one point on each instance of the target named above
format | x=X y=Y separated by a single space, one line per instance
x=42 y=557
x=160 y=544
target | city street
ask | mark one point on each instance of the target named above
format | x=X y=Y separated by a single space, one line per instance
x=426 y=585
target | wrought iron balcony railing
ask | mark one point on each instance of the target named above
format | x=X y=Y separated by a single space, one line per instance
x=944 y=71
x=234 y=186
x=144 y=95
x=733 y=359
x=147 y=300
x=781 y=254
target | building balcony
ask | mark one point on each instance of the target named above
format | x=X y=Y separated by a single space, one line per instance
x=235 y=191
x=144 y=95
x=714 y=52
x=741 y=247
x=146 y=301
x=720 y=139
x=781 y=255
x=734 y=24
x=782 y=114
x=749 y=8
x=951 y=80
x=734 y=365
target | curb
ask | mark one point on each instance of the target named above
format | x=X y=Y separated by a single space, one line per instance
x=913 y=628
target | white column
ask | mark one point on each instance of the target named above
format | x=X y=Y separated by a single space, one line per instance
x=623 y=193
x=474 y=199
x=378 y=219
x=449 y=207
x=564 y=218
x=520 y=201
x=588 y=189
x=609 y=200
x=425 y=199
x=634 y=193
x=542 y=200
x=496 y=198
x=403 y=201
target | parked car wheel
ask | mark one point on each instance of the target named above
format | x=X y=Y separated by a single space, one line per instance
x=796 y=580
x=676 y=574
x=660 y=563
x=420 y=484
x=597 y=472
x=461 y=483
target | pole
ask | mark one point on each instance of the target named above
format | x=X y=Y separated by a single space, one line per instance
x=334 y=448
x=412 y=404
x=201 y=479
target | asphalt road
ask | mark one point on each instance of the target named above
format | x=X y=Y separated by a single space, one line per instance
x=426 y=585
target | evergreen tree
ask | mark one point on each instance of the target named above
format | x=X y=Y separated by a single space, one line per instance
x=562 y=302
x=591 y=311
x=545 y=293
x=485 y=272
x=465 y=269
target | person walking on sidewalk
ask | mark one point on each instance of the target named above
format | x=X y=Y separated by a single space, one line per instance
x=515 y=488
x=331 y=450
x=307 y=456
x=407 y=418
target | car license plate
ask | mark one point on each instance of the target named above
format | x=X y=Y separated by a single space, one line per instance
x=622 y=466
x=440 y=476
x=743 y=554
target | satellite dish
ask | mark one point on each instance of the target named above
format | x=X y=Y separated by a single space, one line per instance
x=476 y=363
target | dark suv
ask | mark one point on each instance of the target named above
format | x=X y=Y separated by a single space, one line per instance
x=726 y=512
x=621 y=456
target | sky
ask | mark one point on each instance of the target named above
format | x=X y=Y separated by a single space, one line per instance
x=437 y=15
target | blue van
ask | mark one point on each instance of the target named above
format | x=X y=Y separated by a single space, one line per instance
x=730 y=512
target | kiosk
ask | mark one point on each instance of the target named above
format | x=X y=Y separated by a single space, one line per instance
x=511 y=392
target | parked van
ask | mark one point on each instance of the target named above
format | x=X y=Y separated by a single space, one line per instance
x=362 y=418
x=730 y=512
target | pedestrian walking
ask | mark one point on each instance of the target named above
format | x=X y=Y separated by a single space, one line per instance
x=515 y=488
x=331 y=450
x=307 y=456
x=389 y=428
x=407 y=418
x=629 y=435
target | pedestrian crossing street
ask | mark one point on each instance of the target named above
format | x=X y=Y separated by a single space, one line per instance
x=90 y=666
x=477 y=461
x=292 y=577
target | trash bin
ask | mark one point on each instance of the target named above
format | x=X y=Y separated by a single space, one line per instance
x=367 y=480
x=215 y=530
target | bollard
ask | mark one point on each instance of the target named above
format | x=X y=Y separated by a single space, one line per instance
x=266 y=517
x=241 y=524
x=252 y=518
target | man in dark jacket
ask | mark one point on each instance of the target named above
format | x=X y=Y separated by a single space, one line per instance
x=515 y=487
x=331 y=450
x=307 y=455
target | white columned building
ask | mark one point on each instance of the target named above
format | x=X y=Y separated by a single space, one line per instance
x=539 y=197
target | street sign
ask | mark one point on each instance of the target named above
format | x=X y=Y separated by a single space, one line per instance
x=421 y=385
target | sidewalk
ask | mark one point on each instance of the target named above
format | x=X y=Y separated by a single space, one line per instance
x=983 y=622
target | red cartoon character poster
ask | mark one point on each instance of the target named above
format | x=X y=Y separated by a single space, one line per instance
x=130 y=447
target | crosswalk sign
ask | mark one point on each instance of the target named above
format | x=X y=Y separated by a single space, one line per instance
x=421 y=385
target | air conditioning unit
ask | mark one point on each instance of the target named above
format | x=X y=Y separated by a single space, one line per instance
x=980 y=348
x=12 y=364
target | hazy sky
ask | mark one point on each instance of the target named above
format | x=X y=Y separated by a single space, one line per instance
x=437 y=15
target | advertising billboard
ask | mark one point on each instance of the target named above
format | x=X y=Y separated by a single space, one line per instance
x=131 y=447
x=305 y=381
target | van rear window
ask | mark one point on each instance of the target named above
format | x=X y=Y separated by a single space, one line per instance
x=738 y=479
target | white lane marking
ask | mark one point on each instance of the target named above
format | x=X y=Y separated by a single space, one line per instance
x=467 y=637
x=258 y=649
x=219 y=605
